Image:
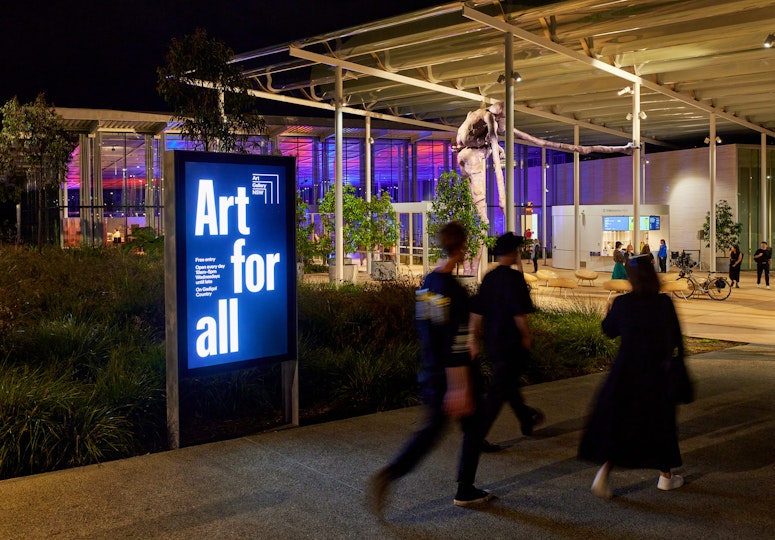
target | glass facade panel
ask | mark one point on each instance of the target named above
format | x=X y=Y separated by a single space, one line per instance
x=352 y=151
x=391 y=166
x=433 y=159
x=305 y=150
x=123 y=183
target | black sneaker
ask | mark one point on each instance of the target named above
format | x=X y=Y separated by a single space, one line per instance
x=376 y=492
x=468 y=495
x=536 y=418
x=489 y=448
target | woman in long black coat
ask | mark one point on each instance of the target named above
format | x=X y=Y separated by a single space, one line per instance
x=633 y=423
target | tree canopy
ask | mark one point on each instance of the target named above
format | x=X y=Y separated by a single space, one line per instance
x=208 y=94
x=35 y=149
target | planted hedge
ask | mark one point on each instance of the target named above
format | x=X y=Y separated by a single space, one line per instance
x=82 y=359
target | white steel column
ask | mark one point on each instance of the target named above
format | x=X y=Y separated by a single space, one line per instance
x=511 y=213
x=542 y=236
x=84 y=191
x=712 y=167
x=150 y=214
x=338 y=221
x=576 y=196
x=97 y=198
x=367 y=184
x=636 y=168
x=764 y=204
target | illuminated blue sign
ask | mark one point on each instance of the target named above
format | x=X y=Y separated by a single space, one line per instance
x=235 y=259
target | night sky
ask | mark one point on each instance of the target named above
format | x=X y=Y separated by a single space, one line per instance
x=104 y=55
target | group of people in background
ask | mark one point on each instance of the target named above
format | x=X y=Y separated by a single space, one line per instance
x=762 y=257
x=455 y=329
x=622 y=254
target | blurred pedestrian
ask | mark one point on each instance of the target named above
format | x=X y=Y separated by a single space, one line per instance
x=499 y=316
x=735 y=260
x=448 y=378
x=633 y=421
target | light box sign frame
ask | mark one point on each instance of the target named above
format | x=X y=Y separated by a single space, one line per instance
x=234 y=255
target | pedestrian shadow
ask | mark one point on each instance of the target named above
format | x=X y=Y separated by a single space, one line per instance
x=731 y=438
x=549 y=431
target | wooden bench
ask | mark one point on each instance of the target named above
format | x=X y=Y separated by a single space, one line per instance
x=617 y=285
x=679 y=286
x=669 y=276
x=586 y=275
x=546 y=275
x=562 y=284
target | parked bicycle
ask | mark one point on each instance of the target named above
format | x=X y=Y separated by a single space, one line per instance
x=717 y=287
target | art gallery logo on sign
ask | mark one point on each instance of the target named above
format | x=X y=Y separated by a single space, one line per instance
x=267 y=186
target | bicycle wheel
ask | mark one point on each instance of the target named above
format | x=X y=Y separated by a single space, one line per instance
x=691 y=287
x=719 y=288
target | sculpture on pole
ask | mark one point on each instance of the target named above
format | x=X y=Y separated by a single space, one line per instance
x=477 y=140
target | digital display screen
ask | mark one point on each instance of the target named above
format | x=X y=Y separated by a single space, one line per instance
x=624 y=223
x=617 y=223
x=235 y=260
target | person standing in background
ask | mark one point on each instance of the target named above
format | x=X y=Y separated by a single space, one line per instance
x=662 y=256
x=535 y=255
x=735 y=260
x=619 y=272
x=762 y=258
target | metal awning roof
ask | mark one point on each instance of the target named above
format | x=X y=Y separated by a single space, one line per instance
x=429 y=68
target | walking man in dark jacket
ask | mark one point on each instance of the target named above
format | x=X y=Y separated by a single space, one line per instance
x=448 y=379
x=499 y=314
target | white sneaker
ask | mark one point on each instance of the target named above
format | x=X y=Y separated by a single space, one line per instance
x=601 y=486
x=768 y=287
x=758 y=285
x=674 y=482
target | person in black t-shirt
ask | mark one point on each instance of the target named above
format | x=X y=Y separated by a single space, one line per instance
x=448 y=378
x=499 y=314
x=762 y=258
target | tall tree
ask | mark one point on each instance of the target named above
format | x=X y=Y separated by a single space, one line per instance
x=209 y=94
x=35 y=149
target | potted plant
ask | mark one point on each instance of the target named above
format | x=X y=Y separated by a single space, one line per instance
x=727 y=233
x=383 y=231
x=453 y=202
x=354 y=228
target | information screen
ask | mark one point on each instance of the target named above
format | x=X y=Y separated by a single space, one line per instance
x=617 y=223
x=235 y=260
x=624 y=223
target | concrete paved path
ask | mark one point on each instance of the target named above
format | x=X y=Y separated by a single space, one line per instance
x=309 y=482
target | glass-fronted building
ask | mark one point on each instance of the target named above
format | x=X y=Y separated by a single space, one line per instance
x=115 y=180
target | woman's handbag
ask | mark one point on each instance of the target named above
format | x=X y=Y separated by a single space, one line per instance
x=680 y=387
